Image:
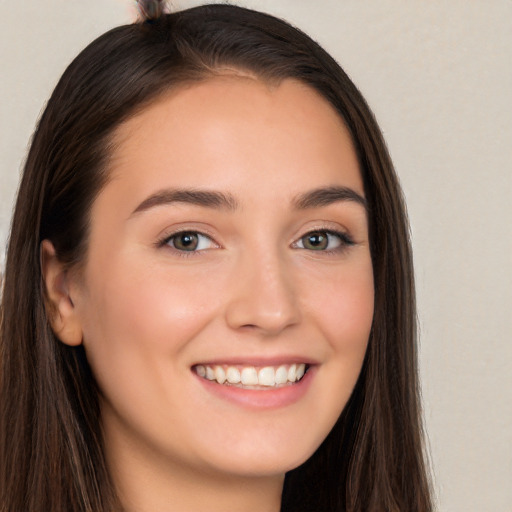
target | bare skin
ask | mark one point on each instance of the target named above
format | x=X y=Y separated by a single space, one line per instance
x=268 y=266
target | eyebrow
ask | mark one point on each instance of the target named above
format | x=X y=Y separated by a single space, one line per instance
x=220 y=200
x=327 y=195
x=205 y=198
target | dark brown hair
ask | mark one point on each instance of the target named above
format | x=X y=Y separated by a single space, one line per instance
x=51 y=453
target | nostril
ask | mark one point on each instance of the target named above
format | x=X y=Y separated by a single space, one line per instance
x=249 y=327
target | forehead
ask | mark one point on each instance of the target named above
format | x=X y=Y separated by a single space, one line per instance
x=233 y=132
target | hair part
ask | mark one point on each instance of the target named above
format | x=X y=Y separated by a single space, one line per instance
x=51 y=451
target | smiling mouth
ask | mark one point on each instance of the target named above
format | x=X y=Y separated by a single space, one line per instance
x=253 y=377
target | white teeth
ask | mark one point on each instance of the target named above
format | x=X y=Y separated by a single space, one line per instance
x=281 y=375
x=233 y=375
x=292 y=373
x=268 y=376
x=220 y=374
x=301 y=369
x=249 y=376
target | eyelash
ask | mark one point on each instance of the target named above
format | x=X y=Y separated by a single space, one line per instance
x=345 y=241
x=165 y=242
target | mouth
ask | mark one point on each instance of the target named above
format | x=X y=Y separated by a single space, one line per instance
x=252 y=377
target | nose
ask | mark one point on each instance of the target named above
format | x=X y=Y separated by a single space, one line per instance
x=263 y=297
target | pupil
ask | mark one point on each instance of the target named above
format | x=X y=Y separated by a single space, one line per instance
x=317 y=241
x=186 y=241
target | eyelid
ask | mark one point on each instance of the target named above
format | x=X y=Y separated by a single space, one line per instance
x=163 y=241
x=345 y=239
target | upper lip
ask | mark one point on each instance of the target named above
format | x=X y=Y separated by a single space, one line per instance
x=257 y=361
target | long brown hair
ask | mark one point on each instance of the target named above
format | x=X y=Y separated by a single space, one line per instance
x=51 y=452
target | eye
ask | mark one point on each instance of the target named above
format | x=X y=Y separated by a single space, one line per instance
x=323 y=240
x=190 y=241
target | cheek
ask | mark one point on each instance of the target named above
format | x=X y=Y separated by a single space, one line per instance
x=135 y=299
x=141 y=318
x=344 y=315
x=343 y=307
x=350 y=316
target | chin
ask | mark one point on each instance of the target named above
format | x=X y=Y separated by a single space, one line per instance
x=269 y=456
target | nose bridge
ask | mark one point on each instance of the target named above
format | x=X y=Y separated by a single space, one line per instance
x=263 y=292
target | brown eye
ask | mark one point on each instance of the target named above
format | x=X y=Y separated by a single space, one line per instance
x=316 y=241
x=324 y=240
x=185 y=241
x=190 y=241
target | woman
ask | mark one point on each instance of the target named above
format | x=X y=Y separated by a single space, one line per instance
x=208 y=297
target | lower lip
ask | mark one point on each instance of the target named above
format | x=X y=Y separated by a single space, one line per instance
x=271 y=398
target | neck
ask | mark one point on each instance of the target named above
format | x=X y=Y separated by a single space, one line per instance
x=148 y=482
x=194 y=495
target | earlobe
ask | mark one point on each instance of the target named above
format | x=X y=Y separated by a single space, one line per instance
x=60 y=308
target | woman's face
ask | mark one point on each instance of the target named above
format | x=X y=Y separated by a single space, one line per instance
x=230 y=243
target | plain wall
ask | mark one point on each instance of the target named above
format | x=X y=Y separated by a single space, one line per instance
x=438 y=76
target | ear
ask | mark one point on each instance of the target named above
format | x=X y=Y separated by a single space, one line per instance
x=60 y=309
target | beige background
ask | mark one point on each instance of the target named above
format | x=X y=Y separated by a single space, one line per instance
x=438 y=75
